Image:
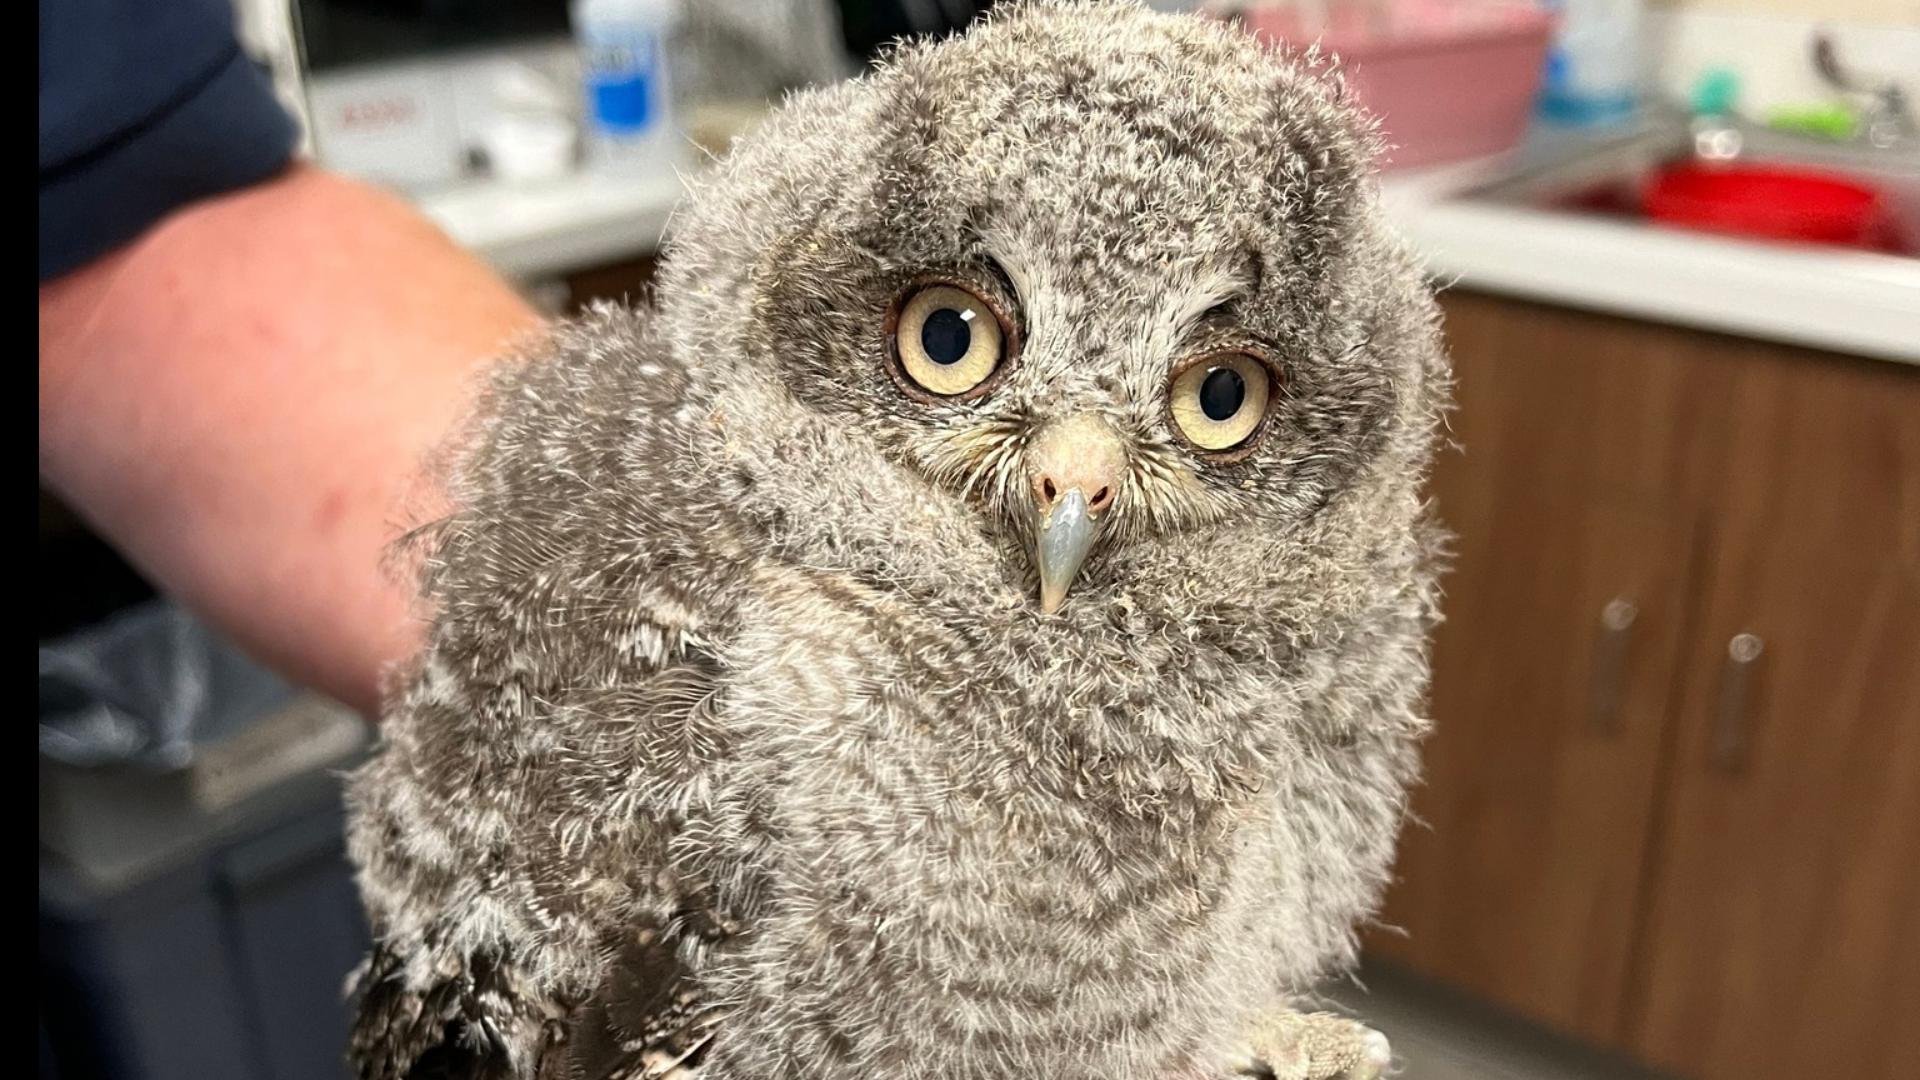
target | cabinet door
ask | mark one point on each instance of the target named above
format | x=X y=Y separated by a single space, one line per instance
x=1522 y=878
x=1784 y=936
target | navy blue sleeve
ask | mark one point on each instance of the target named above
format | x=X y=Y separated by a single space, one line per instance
x=145 y=106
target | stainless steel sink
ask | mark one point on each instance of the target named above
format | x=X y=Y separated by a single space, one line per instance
x=1579 y=174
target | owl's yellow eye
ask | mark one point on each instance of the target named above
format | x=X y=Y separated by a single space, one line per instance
x=1218 y=401
x=948 y=341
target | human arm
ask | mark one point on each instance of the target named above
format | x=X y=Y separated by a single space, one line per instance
x=242 y=399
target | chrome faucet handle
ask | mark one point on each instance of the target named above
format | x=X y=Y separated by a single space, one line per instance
x=1891 y=123
x=1888 y=121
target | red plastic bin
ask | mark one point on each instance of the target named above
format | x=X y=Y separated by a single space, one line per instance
x=1774 y=203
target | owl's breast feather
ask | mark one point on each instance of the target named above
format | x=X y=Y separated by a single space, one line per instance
x=1034 y=841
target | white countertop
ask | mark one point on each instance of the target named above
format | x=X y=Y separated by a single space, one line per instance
x=1850 y=302
x=1857 y=302
x=584 y=220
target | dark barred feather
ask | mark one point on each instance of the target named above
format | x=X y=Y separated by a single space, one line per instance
x=453 y=1031
x=645 y=1023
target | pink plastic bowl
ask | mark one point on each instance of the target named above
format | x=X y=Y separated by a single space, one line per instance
x=1449 y=80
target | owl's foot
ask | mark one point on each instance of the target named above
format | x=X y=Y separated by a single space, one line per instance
x=1288 y=1045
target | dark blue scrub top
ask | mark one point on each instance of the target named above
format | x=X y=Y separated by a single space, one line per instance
x=145 y=106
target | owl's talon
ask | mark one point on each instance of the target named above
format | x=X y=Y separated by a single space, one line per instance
x=1376 y=1053
x=1315 y=1046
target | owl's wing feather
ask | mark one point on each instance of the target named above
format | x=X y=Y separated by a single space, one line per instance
x=515 y=833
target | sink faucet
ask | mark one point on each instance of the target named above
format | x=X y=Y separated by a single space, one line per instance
x=1889 y=124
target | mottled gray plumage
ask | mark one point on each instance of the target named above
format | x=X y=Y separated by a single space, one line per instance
x=740 y=732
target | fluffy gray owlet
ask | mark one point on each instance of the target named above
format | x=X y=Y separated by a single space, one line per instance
x=972 y=627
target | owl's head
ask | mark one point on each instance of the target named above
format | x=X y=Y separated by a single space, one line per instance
x=1089 y=280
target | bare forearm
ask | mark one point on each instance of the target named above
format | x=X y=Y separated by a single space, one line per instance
x=243 y=399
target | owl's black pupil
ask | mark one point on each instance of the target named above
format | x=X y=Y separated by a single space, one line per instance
x=1221 y=393
x=945 y=336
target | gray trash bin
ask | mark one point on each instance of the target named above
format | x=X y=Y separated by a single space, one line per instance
x=197 y=914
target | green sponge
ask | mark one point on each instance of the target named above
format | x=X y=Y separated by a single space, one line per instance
x=1828 y=121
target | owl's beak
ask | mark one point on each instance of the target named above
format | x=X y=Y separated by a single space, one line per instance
x=1065 y=536
x=1075 y=466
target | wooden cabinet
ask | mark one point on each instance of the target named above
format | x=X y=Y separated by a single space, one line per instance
x=1783 y=935
x=1673 y=803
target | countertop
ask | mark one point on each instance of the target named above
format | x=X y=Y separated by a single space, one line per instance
x=1861 y=303
x=533 y=231
x=1857 y=302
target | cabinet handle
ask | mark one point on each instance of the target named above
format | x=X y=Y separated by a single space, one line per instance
x=1610 y=650
x=1729 y=750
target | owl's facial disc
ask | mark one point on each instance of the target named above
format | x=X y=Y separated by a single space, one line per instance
x=1076 y=467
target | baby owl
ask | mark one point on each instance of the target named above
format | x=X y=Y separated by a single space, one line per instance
x=973 y=626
